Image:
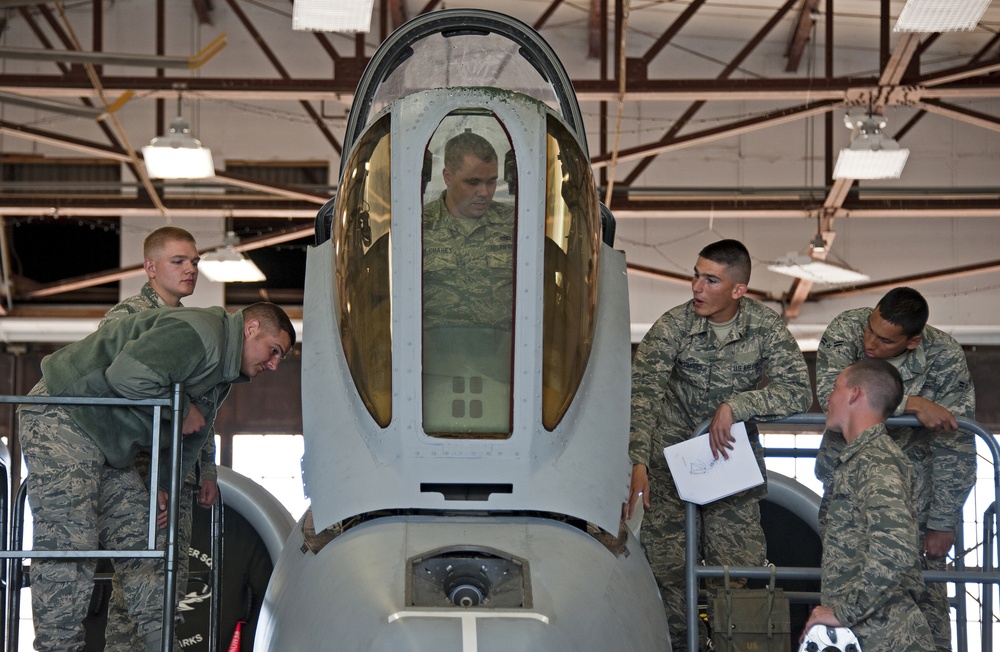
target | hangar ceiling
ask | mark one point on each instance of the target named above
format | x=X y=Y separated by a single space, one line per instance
x=837 y=54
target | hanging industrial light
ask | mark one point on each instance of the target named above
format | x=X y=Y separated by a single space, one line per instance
x=940 y=15
x=813 y=265
x=227 y=265
x=178 y=154
x=348 y=16
x=808 y=268
x=871 y=155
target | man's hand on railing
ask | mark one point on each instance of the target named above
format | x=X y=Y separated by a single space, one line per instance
x=930 y=414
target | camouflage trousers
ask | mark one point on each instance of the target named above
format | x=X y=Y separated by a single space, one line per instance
x=121 y=634
x=729 y=532
x=896 y=627
x=933 y=602
x=934 y=605
x=78 y=503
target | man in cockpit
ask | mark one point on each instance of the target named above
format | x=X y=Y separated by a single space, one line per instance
x=469 y=241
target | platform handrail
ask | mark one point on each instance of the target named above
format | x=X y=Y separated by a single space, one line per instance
x=5 y=497
x=989 y=541
x=693 y=572
x=14 y=556
x=218 y=526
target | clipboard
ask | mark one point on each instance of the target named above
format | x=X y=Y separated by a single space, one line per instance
x=702 y=479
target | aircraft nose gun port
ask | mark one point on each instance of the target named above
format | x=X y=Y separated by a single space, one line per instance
x=467 y=587
x=468 y=578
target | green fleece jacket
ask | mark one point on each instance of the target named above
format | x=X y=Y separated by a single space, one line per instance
x=141 y=356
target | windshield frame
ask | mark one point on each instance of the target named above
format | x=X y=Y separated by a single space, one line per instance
x=398 y=47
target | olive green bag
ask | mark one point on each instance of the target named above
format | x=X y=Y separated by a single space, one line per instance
x=751 y=620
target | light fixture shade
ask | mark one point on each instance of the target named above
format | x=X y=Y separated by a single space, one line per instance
x=861 y=162
x=940 y=15
x=332 y=15
x=178 y=155
x=817 y=271
x=226 y=265
x=871 y=154
x=241 y=270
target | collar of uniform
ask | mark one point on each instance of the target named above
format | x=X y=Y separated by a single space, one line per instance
x=699 y=324
x=154 y=299
x=916 y=360
x=863 y=439
x=441 y=217
x=233 y=355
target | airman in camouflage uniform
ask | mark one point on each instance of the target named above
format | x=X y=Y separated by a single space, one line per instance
x=468 y=242
x=83 y=486
x=937 y=387
x=468 y=267
x=171 y=261
x=707 y=359
x=66 y=467
x=871 y=566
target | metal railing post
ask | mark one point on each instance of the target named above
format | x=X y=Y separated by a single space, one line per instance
x=961 y=611
x=15 y=567
x=170 y=558
x=989 y=541
x=5 y=545
x=218 y=527
x=691 y=572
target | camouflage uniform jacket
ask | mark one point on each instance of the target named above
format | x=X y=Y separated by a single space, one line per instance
x=468 y=267
x=935 y=370
x=871 y=562
x=148 y=299
x=681 y=374
x=140 y=357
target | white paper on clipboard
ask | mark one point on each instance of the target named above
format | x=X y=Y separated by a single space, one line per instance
x=702 y=479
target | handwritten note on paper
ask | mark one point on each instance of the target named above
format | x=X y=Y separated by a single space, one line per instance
x=702 y=479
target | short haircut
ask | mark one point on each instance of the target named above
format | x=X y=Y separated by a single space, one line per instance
x=272 y=319
x=158 y=239
x=733 y=255
x=881 y=382
x=906 y=308
x=465 y=143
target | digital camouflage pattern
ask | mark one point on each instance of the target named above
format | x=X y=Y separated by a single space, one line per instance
x=937 y=371
x=871 y=562
x=147 y=299
x=729 y=532
x=120 y=633
x=680 y=375
x=468 y=267
x=78 y=501
x=944 y=463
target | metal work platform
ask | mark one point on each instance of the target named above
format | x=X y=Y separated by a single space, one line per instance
x=14 y=554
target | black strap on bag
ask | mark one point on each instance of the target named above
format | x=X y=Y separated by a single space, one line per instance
x=751 y=619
